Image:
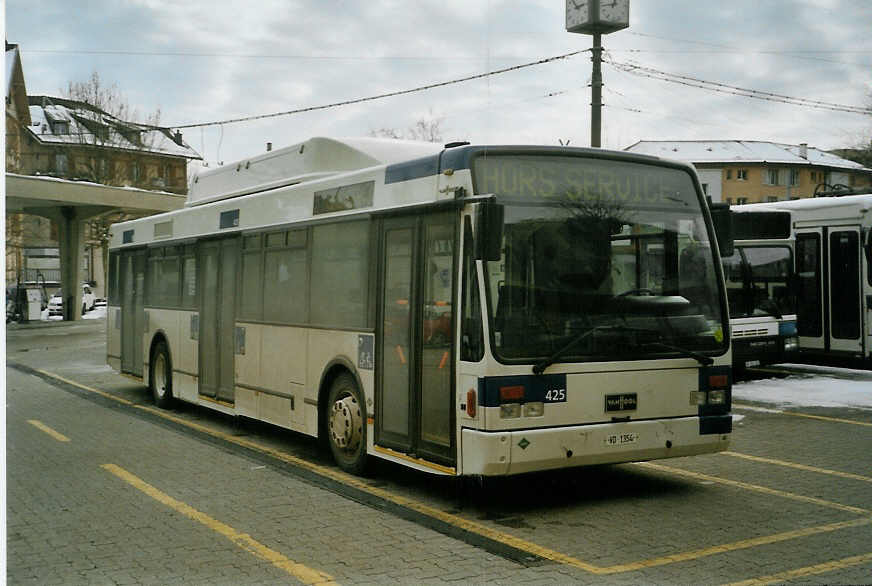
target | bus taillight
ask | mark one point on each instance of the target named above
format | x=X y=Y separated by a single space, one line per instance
x=512 y=394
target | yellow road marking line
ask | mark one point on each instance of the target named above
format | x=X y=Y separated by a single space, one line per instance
x=744 y=544
x=299 y=571
x=83 y=387
x=42 y=426
x=508 y=539
x=799 y=466
x=807 y=571
x=756 y=488
x=808 y=415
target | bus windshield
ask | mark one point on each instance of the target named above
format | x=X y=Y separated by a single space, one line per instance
x=601 y=260
x=759 y=281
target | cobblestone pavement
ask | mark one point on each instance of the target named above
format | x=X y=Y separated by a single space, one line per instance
x=102 y=488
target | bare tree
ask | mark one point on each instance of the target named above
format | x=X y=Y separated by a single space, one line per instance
x=103 y=124
x=103 y=119
x=428 y=129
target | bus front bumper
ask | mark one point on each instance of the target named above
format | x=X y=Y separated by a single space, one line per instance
x=515 y=452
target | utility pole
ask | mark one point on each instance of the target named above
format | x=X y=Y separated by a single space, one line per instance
x=597 y=18
x=596 y=92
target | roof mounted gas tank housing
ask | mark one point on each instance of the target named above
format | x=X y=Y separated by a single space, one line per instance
x=306 y=161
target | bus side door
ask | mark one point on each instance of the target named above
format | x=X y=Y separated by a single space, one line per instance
x=829 y=305
x=846 y=317
x=132 y=292
x=217 y=265
x=414 y=396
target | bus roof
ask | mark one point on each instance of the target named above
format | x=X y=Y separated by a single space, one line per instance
x=311 y=159
x=818 y=208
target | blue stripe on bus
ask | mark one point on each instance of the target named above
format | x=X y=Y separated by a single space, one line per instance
x=535 y=387
x=415 y=169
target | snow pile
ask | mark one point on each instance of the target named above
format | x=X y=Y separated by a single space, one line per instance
x=852 y=388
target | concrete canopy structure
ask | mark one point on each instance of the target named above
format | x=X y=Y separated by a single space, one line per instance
x=71 y=203
x=82 y=168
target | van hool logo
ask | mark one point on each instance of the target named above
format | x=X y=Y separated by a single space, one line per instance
x=624 y=402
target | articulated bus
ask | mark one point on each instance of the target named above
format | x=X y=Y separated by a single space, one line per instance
x=462 y=310
x=832 y=242
x=761 y=289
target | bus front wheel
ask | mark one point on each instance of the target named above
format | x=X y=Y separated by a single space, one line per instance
x=346 y=424
x=160 y=378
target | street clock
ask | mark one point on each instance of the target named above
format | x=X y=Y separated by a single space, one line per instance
x=597 y=16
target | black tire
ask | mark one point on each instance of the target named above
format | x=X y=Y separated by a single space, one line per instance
x=84 y=309
x=345 y=418
x=160 y=376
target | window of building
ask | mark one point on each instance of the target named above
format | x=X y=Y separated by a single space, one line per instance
x=771 y=198
x=741 y=200
x=742 y=174
x=794 y=177
x=730 y=201
x=134 y=171
x=61 y=163
x=771 y=177
x=729 y=174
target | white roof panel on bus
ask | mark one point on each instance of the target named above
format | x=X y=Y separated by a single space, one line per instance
x=314 y=158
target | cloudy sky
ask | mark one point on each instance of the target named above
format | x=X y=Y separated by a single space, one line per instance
x=202 y=61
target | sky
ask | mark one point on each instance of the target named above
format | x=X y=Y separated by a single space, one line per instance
x=205 y=61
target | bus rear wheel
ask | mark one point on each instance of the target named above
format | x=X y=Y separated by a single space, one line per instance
x=160 y=377
x=346 y=424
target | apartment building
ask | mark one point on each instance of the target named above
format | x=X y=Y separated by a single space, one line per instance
x=740 y=171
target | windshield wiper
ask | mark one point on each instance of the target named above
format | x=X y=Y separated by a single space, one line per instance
x=701 y=358
x=540 y=367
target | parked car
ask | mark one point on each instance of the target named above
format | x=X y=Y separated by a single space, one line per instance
x=56 y=302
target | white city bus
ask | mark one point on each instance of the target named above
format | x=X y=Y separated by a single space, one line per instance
x=466 y=310
x=761 y=289
x=830 y=237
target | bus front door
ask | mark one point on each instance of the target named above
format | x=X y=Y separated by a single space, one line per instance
x=810 y=294
x=414 y=413
x=133 y=313
x=217 y=264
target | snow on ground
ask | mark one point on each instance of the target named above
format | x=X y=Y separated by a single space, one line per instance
x=818 y=386
x=99 y=312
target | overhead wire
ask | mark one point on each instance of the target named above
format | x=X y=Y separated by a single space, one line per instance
x=430 y=86
x=714 y=86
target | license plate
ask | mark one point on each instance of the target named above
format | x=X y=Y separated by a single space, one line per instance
x=621 y=439
x=752 y=363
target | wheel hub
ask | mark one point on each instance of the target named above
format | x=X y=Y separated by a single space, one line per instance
x=346 y=423
x=160 y=375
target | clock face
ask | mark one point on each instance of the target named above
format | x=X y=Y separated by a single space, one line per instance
x=615 y=11
x=577 y=13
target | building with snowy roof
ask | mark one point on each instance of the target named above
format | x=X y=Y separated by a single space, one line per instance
x=72 y=169
x=743 y=171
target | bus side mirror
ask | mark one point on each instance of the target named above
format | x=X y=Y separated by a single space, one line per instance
x=722 y=219
x=488 y=230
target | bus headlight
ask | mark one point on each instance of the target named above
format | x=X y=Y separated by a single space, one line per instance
x=717 y=397
x=697 y=398
x=535 y=409
x=791 y=344
x=510 y=411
